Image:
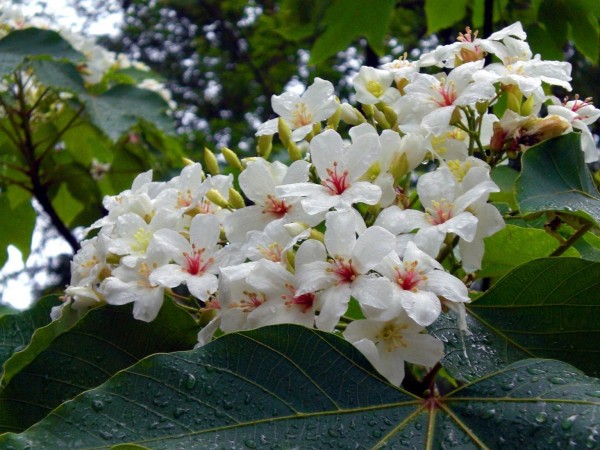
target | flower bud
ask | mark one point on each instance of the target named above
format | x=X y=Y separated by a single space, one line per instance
x=295 y=228
x=187 y=161
x=236 y=201
x=264 y=145
x=210 y=162
x=527 y=106
x=317 y=235
x=294 y=152
x=285 y=134
x=399 y=167
x=390 y=115
x=215 y=196
x=232 y=159
x=334 y=120
x=351 y=115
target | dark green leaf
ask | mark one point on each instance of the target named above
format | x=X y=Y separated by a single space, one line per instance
x=441 y=15
x=585 y=29
x=288 y=386
x=505 y=177
x=345 y=20
x=513 y=246
x=589 y=247
x=58 y=75
x=19 y=44
x=548 y=308
x=16 y=329
x=555 y=178
x=121 y=107
x=57 y=366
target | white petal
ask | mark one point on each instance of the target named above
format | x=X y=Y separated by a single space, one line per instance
x=423 y=307
x=340 y=236
x=335 y=302
x=371 y=247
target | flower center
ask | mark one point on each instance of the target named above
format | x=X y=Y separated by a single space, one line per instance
x=251 y=301
x=391 y=335
x=141 y=240
x=271 y=252
x=335 y=182
x=301 y=116
x=440 y=212
x=195 y=264
x=275 y=206
x=408 y=277
x=375 y=88
x=346 y=273
x=446 y=94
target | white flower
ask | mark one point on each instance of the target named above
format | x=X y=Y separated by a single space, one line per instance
x=340 y=168
x=387 y=344
x=580 y=114
x=259 y=182
x=442 y=95
x=197 y=261
x=374 y=86
x=273 y=243
x=418 y=281
x=345 y=273
x=301 y=112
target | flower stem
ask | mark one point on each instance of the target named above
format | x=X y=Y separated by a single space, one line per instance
x=564 y=246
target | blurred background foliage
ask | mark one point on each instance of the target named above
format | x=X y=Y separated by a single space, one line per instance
x=224 y=59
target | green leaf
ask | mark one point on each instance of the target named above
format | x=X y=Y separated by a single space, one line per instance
x=513 y=246
x=585 y=29
x=287 y=386
x=505 y=177
x=30 y=42
x=589 y=247
x=346 y=20
x=66 y=206
x=58 y=365
x=548 y=308
x=121 y=107
x=58 y=75
x=16 y=329
x=441 y=15
x=555 y=177
x=17 y=225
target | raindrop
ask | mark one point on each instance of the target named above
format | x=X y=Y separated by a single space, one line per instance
x=594 y=394
x=250 y=443
x=377 y=434
x=178 y=412
x=106 y=435
x=541 y=417
x=535 y=371
x=568 y=422
x=418 y=425
x=488 y=414
x=97 y=405
x=209 y=369
x=556 y=407
x=557 y=380
x=191 y=381
x=247 y=399
x=227 y=404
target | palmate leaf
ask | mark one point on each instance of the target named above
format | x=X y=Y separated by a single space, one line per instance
x=555 y=178
x=287 y=386
x=546 y=308
x=57 y=365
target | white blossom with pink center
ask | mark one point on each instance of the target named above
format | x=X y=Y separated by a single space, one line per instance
x=301 y=112
x=345 y=272
x=196 y=261
x=340 y=168
x=418 y=281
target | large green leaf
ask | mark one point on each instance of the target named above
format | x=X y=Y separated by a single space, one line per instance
x=17 y=225
x=57 y=366
x=288 y=386
x=118 y=109
x=513 y=246
x=16 y=329
x=441 y=15
x=555 y=178
x=545 y=308
x=20 y=44
x=346 y=20
x=58 y=75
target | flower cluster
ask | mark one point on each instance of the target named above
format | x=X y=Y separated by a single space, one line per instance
x=368 y=228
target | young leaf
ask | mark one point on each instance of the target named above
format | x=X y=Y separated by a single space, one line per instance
x=288 y=386
x=555 y=178
x=55 y=367
x=17 y=225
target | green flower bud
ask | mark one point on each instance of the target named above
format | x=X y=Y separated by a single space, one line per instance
x=232 y=159
x=236 y=201
x=264 y=146
x=210 y=162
